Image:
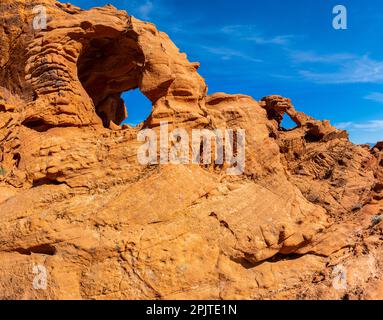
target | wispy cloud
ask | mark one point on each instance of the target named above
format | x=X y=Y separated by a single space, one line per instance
x=145 y=10
x=313 y=57
x=233 y=40
x=371 y=126
x=278 y=40
x=350 y=70
x=363 y=131
x=344 y=125
x=375 y=96
x=238 y=29
x=227 y=53
x=242 y=32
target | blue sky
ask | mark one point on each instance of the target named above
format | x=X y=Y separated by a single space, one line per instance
x=286 y=47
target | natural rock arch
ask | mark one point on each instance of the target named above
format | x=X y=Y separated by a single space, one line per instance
x=80 y=65
x=107 y=67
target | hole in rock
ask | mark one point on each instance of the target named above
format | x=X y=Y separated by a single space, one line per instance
x=312 y=136
x=110 y=70
x=287 y=123
x=139 y=107
x=45 y=249
x=37 y=124
x=17 y=159
x=45 y=181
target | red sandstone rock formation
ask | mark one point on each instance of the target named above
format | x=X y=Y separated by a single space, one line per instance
x=75 y=199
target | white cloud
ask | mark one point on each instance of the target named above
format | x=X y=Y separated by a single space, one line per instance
x=356 y=70
x=278 y=40
x=344 y=125
x=145 y=10
x=238 y=29
x=228 y=53
x=375 y=96
x=312 y=57
x=363 y=132
x=243 y=31
x=371 y=126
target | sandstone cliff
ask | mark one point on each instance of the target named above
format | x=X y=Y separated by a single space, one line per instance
x=74 y=199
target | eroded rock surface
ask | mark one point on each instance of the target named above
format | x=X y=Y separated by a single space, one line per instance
x=75 y=200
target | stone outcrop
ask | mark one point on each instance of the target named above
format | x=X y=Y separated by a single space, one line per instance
x=75 y=200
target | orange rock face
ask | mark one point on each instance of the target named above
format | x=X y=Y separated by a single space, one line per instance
x=302 y=221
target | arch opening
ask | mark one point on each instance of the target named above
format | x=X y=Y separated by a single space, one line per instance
x=287 y=123
x=109 y=69
x=140 y=107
